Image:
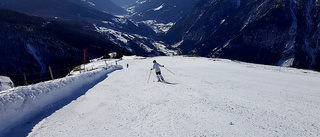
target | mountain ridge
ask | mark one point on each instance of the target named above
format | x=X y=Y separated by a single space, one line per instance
x=279 y=32
x=31 y=44
x=106 y=6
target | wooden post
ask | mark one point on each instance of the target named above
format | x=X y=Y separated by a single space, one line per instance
x=84 y=66
x=51 y=73
x=25 y=78
x=106 y=63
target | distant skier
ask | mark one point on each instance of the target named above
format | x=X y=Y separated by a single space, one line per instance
x=127 y=65
x=156 y=67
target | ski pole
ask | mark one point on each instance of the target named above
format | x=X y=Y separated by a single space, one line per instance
x=169 y=71
x=149 y=76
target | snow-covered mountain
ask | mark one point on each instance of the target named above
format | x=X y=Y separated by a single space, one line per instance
x=137 y=44
x=59 y=34
x=63 y=9
x=277 y=32
x=162 y=11
x=32 y=44
x=205 y=97
x=67 y=10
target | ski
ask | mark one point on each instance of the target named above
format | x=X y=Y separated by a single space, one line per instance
x=166 y=82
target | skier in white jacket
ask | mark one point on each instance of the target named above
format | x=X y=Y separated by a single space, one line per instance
x=156 y=67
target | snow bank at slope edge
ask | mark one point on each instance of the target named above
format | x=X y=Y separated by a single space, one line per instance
x=19 y=104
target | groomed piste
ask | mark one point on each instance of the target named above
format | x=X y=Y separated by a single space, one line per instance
x=209 y=97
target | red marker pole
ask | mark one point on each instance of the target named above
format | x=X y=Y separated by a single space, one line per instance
x=84 y=66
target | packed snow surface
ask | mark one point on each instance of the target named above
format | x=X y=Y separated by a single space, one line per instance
x=201 y=97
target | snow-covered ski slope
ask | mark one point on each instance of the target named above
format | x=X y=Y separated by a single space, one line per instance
x=209 y=97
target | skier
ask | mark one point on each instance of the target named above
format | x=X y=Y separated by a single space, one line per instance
x=156 y=67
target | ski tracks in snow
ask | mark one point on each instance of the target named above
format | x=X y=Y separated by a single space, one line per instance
x=213 y=98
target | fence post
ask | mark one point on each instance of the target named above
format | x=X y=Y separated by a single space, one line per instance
x=84 y=60
x=51 y=73
x=25 y=78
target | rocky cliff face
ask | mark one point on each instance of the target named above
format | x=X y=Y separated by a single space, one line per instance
x=276 y=32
